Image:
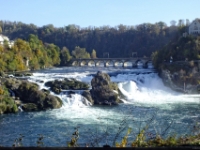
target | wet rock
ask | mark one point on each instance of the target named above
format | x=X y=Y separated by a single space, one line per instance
x=66 y=84
x=198 y=88
x=22 y=74
x=40 y=81
x=194 y=90
x=102 y=90
x=28 y=74
x=52 y=102
x=88 y=96
x=184 y=81
x=30 y=95
x=29 y=107
x=168 y=80
x=2 y=74
x=18 y=74
x=45 y=91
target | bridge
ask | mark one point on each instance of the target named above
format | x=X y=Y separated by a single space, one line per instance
x=112 y=62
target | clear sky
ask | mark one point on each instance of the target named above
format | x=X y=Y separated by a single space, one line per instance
x=98 y=13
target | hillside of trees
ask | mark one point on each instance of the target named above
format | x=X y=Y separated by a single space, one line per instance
x=180 y=49
x=33 y=51
x=119 y=41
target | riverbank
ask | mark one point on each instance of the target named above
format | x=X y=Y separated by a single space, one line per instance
x=182 y=77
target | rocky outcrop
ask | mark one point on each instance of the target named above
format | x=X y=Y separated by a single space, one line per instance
x=22 y=74
x=16 y=74
x=102 y=90
x=182 y=77
x=168 y=80
x=29 y=107
x=31 y=97
x=66 y=84
x=88 y=96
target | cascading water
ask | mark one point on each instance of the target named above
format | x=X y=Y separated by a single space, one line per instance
x=145 y=99
x=74 y=100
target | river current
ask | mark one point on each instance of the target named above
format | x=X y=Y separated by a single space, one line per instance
x=147 y=104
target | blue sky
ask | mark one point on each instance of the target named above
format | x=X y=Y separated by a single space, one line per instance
x=98 y=13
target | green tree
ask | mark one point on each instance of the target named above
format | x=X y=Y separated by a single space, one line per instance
x=161 y=24
x=33 y=64
x=65 y=56
x=1 y=50
x=93 y=54
x=22 y=48
x=53 y=52
x=12 y=66
x=34 y=42
x=2 y=65
x=5 y=44
x=119 y=41
x=180 y=49
x=45 y=55
x=80 y=53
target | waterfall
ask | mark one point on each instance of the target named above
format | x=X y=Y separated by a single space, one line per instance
x=20 y=108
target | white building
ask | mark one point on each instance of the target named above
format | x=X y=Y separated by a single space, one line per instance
x=194 y=27
x=5 y=38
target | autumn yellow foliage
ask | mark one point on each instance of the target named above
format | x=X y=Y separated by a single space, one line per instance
x=1 y=91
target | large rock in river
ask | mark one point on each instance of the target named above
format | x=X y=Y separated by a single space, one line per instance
x=31 y=97
x=102 y=91
x=66 y=84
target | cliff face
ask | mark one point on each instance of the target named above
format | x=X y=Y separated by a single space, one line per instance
x=169 y=78
x=182 y=77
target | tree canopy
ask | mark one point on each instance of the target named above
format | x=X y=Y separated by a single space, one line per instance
x=180 y=49
x=31 y=54
x=49 y=45
x=118 y=41
x=80 y=53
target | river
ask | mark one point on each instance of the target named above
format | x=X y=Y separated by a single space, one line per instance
x=147 y=103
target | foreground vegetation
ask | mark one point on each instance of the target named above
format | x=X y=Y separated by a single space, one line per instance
x=143 y=139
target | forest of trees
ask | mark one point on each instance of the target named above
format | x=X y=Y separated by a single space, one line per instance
x=180 y=49
x=119 y=41
x=49 y=46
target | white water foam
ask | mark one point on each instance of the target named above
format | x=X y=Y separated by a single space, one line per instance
x=75 y=100
x=20 y=109
x=143 y=89
x=152 y=91
x=136 y=87
x=72 y=100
